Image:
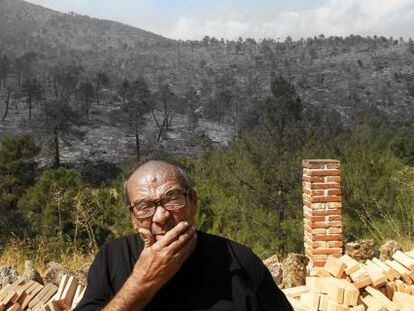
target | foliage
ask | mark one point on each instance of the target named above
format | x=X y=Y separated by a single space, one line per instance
x=17 y=173
x=60 y=206
x=47 y=207
x=395 y=223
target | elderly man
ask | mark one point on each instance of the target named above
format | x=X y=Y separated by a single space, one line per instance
x=169 y=265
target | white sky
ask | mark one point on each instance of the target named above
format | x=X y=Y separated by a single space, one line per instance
x=193 y=19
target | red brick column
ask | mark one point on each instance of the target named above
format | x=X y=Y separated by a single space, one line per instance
x=322 y=207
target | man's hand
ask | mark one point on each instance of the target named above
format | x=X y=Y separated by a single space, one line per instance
x=160 y=260
x=157 y=264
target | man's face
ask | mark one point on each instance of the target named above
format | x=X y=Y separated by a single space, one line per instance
x=153 y=181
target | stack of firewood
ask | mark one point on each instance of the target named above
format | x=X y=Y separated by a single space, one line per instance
x=345 y=284
x=30 y=295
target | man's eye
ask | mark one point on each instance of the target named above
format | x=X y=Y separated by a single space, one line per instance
x=174 y=200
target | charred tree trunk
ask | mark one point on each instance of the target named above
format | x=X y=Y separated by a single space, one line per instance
x=137 y=145
x=155 y=118
x=170 y=119
x=161 y=130
x=7 y=105
x=165 y=122
x=56 y=145
x=98 y=86
x=29 y=101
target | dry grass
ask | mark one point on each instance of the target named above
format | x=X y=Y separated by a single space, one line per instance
x=398 y=223
x=42 y=251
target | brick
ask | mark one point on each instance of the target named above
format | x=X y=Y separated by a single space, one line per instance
x=363 y=282
x=334 y=192
x=380 y=297
x=336 y=179
x=336 y=165
x=315 y=161
x=320 y=224
x=327 y=212
x=378 y=278
x=325 y=186
x=335 y=244
x=336 y=224
x=336 y=230
x=334 y=218
x=328 y=237
x=306 y=191
x=334 y=205
x=404 y=259
x=310 y=299
x=359 y=274
x=319 y=231
x=313 y=179
x=326 y=199
x=314 y=218
x=320 y=263
x=319 y=257
x=317 y=192
x=307 y=204
x=320 y=244
x=326 y=251
x=322 y=172
x=335 y=266
x=320 y=165
x=319 y=205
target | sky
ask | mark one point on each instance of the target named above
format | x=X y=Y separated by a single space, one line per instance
x=231 y=19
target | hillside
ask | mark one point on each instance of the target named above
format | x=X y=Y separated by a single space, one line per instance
x=224 y=82
x=26 y=26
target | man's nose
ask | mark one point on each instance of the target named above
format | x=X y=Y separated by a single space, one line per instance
x=161 y=215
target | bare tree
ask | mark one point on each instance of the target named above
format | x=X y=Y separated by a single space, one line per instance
x=32 y=89
x=58 y=119
x=168 y=103
x=138 y=103
x=87 y=93
x=5 y=69
x=101 y=80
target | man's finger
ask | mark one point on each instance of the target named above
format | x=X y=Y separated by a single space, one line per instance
x=173 y=234
x=187 y=248
x=147 y=237
x=182 y=239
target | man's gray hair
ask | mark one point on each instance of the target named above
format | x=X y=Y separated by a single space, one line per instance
x=185 y=179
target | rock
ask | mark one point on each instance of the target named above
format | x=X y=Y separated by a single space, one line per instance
x=7 y=276
x=388 y=249
x=275 y=268
x=30 y=272
x=54 y=273
x=294 y=270
x=361 y=250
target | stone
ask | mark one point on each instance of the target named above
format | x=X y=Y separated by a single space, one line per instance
x=54 y=273
x=361 y=250
x=294 y=270
x=388 y=249
x=30 y=272
x=275 y=267
x=7 y=276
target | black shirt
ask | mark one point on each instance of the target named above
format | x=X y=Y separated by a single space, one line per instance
x=219 y=275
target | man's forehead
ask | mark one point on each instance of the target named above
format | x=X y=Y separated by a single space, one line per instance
x=155 y=172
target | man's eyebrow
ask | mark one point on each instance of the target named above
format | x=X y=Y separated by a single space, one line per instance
x=168 y=192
